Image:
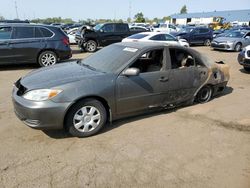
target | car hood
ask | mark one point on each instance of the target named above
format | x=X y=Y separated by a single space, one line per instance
x=225 y=39
x=49 y=77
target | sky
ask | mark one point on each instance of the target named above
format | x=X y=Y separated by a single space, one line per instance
x=111 y=9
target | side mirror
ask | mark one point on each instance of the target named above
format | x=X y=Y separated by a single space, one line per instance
x=131 y=72
x=101 y=30
x=247 y=37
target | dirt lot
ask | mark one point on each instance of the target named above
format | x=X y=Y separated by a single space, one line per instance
x=205 y=145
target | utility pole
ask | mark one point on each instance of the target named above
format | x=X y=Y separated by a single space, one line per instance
x=130 y=7
x=16 y=11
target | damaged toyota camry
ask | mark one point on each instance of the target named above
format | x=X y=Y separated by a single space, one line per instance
x=121 y=80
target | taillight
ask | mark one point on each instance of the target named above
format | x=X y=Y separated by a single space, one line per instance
x=65 y=41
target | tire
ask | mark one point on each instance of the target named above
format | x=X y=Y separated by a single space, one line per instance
x=247 y=69
x=91 y=46
x=86 y=118
x=238 y=47
x=47 y=58
x=207 y=42
x=204 y=95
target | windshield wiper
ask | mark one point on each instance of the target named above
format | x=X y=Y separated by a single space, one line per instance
x=88 y=66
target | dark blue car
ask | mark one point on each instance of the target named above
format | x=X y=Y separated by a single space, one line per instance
x=196 y=35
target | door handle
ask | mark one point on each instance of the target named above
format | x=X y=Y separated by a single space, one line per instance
x=163 y=79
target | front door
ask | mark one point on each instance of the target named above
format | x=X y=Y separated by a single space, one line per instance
x=142 y=92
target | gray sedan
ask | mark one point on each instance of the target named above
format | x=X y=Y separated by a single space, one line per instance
x=233 y=41
x=118 y=81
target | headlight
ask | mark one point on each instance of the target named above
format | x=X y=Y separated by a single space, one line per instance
x=41 y=94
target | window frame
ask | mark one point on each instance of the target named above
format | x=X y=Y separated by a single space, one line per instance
x=11 y=33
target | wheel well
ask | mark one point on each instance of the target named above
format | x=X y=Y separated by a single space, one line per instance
x=43 y=50
x=93 y=40
x=210 y=85
x=238 y=43
x=100 y=99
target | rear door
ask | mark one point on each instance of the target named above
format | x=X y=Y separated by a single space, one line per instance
x=121 y=31
x=6 y=52
x=28 y=43
x=183 y=81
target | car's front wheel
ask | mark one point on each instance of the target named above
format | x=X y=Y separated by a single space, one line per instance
x=238 y=47
x=86 y=118
x=204 y=95
x=47 y=58
x=91 y=46
x=207 y=42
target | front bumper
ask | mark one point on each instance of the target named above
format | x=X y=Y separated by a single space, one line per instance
x=39 y=115
x=222 y=46
x=243 y=60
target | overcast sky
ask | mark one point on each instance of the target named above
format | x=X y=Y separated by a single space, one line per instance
x=83 y=9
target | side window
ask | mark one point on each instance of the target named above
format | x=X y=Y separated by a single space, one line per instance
x=108 y=28
x=38 y=33
x=181 y=59
x=121 y=28
x=169 y=38
x=203 y=30
x=24 y=32
x=46 y=32
x=5 y=33
x=172 y=26
x=159 y=37
x=151 y=61
x=196 y=31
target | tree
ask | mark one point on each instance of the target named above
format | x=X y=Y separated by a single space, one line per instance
x=183 y=10
x=1 y=17
x=129 y=20
x=166 y=18
x=139 y=18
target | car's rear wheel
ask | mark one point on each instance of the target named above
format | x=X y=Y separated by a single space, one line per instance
x=238 y=47
x=204 y=95
x=207 y=42
x=86 y=118
x=47 y=58
x=247 y=69
x=91 y=46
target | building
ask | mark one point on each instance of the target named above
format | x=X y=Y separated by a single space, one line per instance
x=239 y=17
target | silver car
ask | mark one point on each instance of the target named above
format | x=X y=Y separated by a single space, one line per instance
x=121 y=80
x=233 y=41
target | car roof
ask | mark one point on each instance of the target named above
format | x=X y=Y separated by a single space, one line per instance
x=146 y=45
x=25 y=25
x=152 y=33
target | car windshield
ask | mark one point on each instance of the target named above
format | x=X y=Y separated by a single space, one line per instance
x=98 y=27
x=109 y=59
x=137 y=36
x=186 y=30
x=236 y=34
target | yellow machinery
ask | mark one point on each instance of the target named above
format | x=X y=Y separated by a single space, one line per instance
x=219 y=23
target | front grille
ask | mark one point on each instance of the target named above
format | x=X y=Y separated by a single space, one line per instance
x=219 y=45
x=21 y=89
